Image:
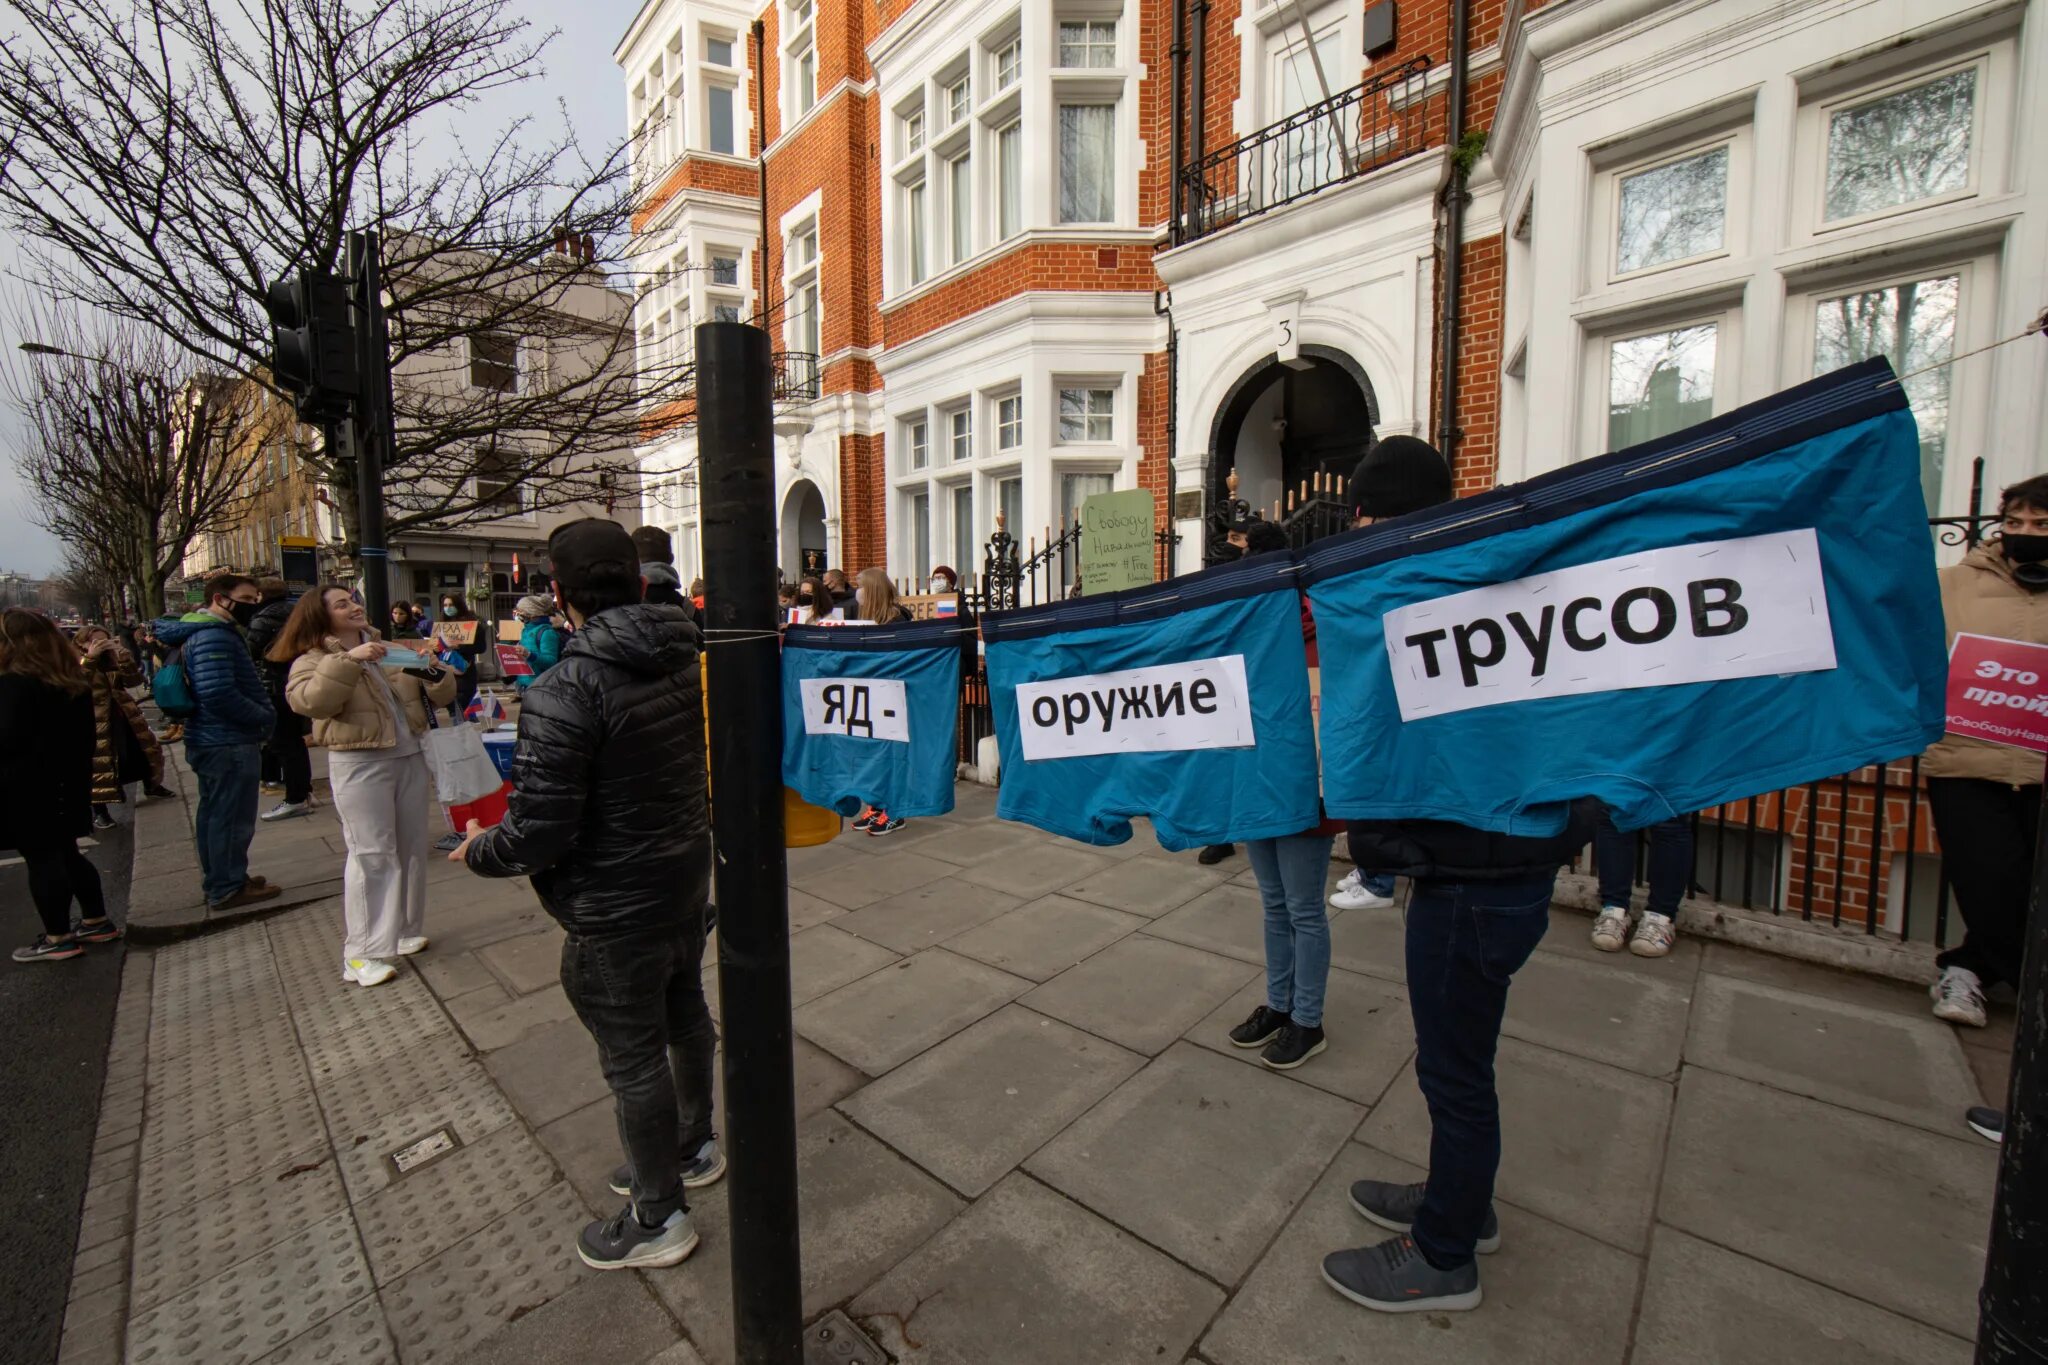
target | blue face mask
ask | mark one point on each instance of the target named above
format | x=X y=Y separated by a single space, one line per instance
x=447 y=611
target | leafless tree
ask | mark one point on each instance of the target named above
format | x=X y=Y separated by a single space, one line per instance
x=133 y=448
x=167 y=158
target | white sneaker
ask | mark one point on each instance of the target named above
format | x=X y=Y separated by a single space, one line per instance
x=285 y=810
x=409 y=945
x=1610 y=928
x=367 y=971
x=1654 y=935
x=1351 y=894
x=1959 y=997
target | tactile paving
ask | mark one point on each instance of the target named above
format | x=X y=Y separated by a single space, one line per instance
x=343 y=1006
x=391 y=1036
x=178 y=1119
x=206 y=1017
x=510 y=1267
x=289 y=1134
x=268 y=1050
x=473 y=1107
x=191 y=1245
x=434 y=1207
x=357 y=1336
x=257 y=1306
x=353 y=1099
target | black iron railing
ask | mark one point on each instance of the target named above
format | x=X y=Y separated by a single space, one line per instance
x=1385 y=119
x=796 y=376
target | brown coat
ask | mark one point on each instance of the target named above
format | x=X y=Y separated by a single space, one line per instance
x=111 y=675
x=1980 y=596
x=338 y=695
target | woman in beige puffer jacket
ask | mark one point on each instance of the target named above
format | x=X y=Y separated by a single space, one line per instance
x=369 y=716
x=1986 y=797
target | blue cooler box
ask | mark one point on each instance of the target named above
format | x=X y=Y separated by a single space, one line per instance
x=499 y=747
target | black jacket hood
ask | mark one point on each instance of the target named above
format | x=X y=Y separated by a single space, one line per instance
x=646 y=637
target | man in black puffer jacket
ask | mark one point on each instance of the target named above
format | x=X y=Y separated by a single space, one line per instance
x=1478 y=907
x=608 y=818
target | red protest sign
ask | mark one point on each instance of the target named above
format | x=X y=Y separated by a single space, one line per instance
x=1998 y=691
x=512 y=662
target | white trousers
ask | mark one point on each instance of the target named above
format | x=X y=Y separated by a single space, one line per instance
x=382 y=802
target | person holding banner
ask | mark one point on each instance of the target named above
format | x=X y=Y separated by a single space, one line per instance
x=368 y=703
x=1479 y=904
x=875 y=600
x=1986 y=796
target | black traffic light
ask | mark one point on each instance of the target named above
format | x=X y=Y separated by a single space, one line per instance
x=313 y=345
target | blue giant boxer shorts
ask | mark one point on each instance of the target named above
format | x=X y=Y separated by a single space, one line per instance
x=1720 y=537
x=1187 y=702
x=870 y=715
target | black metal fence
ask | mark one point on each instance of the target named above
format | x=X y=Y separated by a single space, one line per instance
x=1380 y=121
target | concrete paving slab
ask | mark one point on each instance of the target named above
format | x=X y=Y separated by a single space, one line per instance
x=472 y=1108
x=1882 y=1211
x=491 y=1023
x=1748 y=964
x=1143 y=992
x=527 y=962
x=1552 y=1296
x=679 y=1354
x=825 y=957
x=549 y=1072
x=1896 y=1065
x=1040 y=873
x=477 y=911
x=1703 y=1305
x=998 y=843
x=274 y=1138
x=399 y=1031
x=856 y=881
x=977 y=1104
x=1581 y=1143
x=633 y=1324
x=354 y=1336
x=509 y=1268
x=1632 y=1020
x=258 y=1305
x=415 y=1216
x=1226 y=919
x=1044 y=938
x=883 y=1020
x=1146 y=885
x=585 y=1144
x=806 y=910
x=1571 y=934
x=1366 y=1021
x=926 y=915
x=355 y=1100
x=1370 y=942
x=979 y=1292
x=822 y=1080
x=862 y=1209
x=185 y=1247
x=1156 y=1154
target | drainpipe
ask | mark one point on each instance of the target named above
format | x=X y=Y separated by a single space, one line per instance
x=761 y=160
x=1454 y=233
x=1172 y=408
x=1179 y=54
x=1199 y=110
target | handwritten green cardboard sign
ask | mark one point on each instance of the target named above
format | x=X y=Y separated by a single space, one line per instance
x=1117 y=549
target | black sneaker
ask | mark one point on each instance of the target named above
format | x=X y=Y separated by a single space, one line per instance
x=97 y=931
x=100 y=818
x=1986 y=1123
x=1214 y=854
x=705 y=1168
x=623 y=1242
x=1393 y=1277
x=867 y=819
x=1394 y=1208
x=43 y=950
x=888 y=826
x=1261 y=1028
x=1294 y=1046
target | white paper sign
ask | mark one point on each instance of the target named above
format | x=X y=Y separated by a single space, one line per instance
x=856 y=708
x=1201 y=704
x=1745 y=608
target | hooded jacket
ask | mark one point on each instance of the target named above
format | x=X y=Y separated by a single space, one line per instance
x=663 y=586
x=1980 y=596
x=234 y=706
x=607 y=813
x=347 y=707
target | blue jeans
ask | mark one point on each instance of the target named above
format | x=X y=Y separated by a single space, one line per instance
x=1465 y=942
x=225 y=820
x=1614 y=859
x=1291 y=873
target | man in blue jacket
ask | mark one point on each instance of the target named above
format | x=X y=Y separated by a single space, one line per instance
x=224 y=736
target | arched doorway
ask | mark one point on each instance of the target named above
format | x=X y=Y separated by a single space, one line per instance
x=1280 y=426
x=803 y=530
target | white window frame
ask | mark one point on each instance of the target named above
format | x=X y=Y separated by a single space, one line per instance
x=1008 y=410
x=799 y=23
x=1007 y=219
x=1817 y=115
x=914 y=202
x=1727 y=322
x=917 y=443
x=1088 y=18
x=1008 y=56
x=958 y=186
x=959 y=432
x=801 y=330
x=518 y=364
x=1088 y=386
x=914 y=130
x=957 y=96
x=1737 y=163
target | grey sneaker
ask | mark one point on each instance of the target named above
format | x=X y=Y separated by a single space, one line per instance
x=1394 y=1278
x=1986 y=1123
x=623 y=1241
x=1394 y=1207
x=705 y=1168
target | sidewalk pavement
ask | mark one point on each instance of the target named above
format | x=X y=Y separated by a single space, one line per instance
x=1024 y=1138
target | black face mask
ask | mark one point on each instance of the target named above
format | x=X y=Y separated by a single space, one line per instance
x=244 y=612
x=2024 y=549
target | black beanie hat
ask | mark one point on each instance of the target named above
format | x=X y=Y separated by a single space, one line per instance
x=591 y=552
x=1399 y=475
x=654 y=545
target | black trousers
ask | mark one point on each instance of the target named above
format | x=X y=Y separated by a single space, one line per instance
x=58 y=874
x=1987 y=832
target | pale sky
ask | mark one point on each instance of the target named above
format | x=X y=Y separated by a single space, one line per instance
x=580 y=75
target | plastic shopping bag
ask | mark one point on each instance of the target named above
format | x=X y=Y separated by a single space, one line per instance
x=462 y=769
